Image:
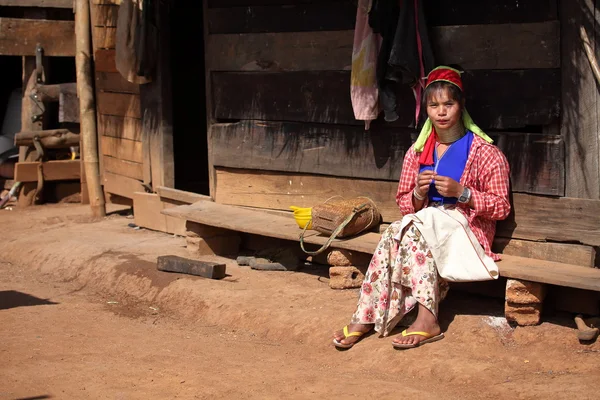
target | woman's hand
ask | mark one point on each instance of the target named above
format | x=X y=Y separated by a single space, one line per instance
x=423 y=181
x=447 y=187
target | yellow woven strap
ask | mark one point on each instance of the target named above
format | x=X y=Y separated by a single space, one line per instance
x=348 y=334
x=426 y=335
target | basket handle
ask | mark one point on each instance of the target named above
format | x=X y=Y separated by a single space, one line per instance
x=333 y=235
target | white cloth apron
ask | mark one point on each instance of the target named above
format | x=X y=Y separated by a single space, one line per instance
x=458 y=255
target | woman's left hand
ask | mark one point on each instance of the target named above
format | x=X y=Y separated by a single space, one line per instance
x=447 y=187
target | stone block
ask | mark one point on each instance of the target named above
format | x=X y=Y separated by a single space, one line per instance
x=345 y=277
x=525 y=292
x=343 y=258
x=523 y=314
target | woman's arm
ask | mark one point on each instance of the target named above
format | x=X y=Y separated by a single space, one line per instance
x=492 y=201
x=405 y=199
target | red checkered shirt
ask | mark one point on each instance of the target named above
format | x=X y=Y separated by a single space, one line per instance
x=486 y=174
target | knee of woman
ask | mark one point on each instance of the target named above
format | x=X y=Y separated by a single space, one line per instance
x=394 y=228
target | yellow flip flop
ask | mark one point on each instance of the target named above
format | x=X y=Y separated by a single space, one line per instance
x=429 y=338
x=347 y=334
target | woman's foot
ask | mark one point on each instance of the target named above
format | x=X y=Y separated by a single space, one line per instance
x=425 y=322
x=349 y=340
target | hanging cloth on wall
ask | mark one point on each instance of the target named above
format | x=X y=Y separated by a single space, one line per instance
x=406 y=55
x=132 y=38
x=363 y=78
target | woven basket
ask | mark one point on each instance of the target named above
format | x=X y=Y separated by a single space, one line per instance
x=341 y=218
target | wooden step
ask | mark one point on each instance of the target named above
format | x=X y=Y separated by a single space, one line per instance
x=281 y=227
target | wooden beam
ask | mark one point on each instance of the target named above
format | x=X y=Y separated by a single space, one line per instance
x=121 y=185
x=126 y=168
x=52 y=92
x=536 y=160
x=114 y=82
x=53 y=139
x=181 y=196
x=533 y=217
x=324 y=97
x=38 y=3
x=511 y=46
x=62 y=170
x=575 y=254
x=18 y=37
x=580 y=102
x=259 y=223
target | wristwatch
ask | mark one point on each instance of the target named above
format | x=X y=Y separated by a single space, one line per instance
x=465 y=196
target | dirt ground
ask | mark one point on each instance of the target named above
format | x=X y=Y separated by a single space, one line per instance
x=85 y=314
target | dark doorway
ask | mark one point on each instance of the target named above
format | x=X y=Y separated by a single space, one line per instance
x=190 y=146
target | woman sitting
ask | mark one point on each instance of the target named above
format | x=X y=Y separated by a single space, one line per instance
x=453 y=188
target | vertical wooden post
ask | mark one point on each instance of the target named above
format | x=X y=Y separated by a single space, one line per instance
x=212 y=176
x=87 y=107
x=157 y=100
x=580 y=107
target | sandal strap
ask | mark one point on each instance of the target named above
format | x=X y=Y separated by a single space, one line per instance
x=424 y=334
x=348 y=334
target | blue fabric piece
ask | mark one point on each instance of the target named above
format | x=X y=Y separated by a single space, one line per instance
x=452 y=164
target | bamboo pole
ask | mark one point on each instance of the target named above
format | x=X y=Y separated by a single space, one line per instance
x=87 y=107
x=589 y=51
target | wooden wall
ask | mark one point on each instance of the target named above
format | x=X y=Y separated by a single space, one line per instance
x=118 y=108
x=283 y=131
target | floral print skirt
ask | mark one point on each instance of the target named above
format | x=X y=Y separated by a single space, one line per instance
x=400 y=275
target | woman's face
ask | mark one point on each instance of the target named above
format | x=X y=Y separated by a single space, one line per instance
x=443 y=111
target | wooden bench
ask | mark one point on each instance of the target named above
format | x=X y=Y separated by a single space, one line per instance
x=527 y=277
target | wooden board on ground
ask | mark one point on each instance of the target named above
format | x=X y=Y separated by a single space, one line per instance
x=258 y=223
x=51 y=171
x=120 y=127
x=181 y=196
x=19 y=36
x=510 y=46
x=119 y=104
x=182 y=265
x=537 y=218
x=123 y=167
x=574 y=254
x=147 y=209
x=324 y=97
x=121 y=185
x=38 y=3
x=122 y=149
x=536 y=160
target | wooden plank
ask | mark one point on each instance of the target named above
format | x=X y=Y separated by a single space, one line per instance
x=539 y=218
x=258 y=223
x=114 y=82
x=121 y=185
x=113 y=2
x=104 y=60
x=579 y=122
x=181 y=196
x=512 y=46
x=122 y=149
x=559 y=219
x=119 y=104
x=279 y=191
x=206 y=269
x=324 y=97
x=537 y=161
x=62 y=170
x=147 y=209
x=38 y=3
x=466 y=12
x=123 y=167
x=557 y=252
x=330 y=16
x=157 y=104
x=105 y=15
x=18 y=37
x=104 y=37
x=120 y=127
